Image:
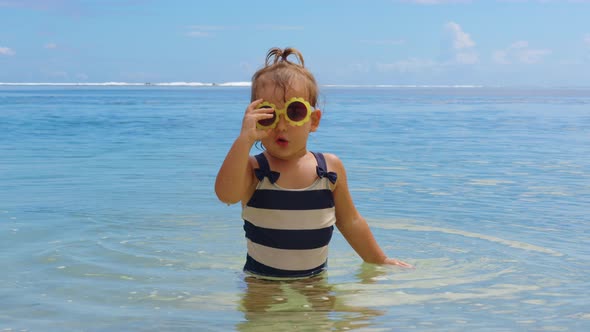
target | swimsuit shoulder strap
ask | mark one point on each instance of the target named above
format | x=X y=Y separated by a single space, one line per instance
x=319 y=157
x=322 y=168
x=263 y=169
x=262 y=162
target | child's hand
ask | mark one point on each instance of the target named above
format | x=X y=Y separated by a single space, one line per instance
x=251 y=117
x=392 y=261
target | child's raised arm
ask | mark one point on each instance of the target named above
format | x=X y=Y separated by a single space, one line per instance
x=351 y=224
x=235 y=175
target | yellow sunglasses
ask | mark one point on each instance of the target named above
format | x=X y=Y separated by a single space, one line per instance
x=297 y=111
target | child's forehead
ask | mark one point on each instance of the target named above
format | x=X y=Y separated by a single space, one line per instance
x=279 y=94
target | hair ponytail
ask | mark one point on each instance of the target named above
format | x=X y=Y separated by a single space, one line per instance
x=277 y=55
x=280 y=70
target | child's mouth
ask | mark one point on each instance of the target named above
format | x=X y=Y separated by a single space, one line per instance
x=282 y=141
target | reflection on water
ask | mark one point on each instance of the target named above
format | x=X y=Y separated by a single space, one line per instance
x=304 y=305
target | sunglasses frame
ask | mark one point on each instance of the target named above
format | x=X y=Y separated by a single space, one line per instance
x=283 y=112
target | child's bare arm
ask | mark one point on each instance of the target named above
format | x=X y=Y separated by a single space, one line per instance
x=235 y=176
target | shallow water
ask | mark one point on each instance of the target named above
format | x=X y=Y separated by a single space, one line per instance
x=108 y=220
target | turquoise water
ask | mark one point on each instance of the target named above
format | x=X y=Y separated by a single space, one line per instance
x=108 y=219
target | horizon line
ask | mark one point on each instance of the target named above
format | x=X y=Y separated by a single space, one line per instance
x=249 y=84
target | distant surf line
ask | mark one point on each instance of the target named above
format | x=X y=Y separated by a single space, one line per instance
x=225 y=84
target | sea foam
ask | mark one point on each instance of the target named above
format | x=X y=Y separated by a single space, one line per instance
x=193 y=84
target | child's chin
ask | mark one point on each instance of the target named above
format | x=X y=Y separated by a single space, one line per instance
x=279 y=152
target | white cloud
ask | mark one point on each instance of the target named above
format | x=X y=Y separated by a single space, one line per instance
x=460 y=39
x=457 y=49
x=587 y=39
x=533 y=56
x=458 y=46
x=520 y=52
x=51 y=46
x=6 y=51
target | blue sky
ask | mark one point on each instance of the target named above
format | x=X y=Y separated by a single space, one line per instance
x=491 y=42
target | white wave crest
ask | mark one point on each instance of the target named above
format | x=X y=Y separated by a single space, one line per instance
x=170 y=84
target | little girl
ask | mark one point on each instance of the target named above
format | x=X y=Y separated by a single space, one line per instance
x=291 y=197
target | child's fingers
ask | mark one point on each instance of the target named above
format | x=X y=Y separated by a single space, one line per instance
x=263 y=113
x=254 y=104
x=406 y=265
x=398 y=263
x=253 y=110
x=251 y=119
x=261 y=116
x=265 y=110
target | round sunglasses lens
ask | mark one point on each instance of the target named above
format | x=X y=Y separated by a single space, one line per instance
x=268 y=122
x=296 y=111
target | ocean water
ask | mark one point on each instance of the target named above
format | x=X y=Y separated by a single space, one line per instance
x=109 y=221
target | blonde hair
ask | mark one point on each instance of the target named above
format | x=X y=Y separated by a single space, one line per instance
x=281 y=72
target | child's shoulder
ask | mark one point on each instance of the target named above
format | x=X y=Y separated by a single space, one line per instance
x=333 y=162
x=252 y=161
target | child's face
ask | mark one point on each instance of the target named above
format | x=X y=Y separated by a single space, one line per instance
x=286 y=141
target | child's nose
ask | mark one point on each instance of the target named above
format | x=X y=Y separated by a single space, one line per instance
x=282 y=124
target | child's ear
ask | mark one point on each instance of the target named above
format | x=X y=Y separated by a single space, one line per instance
x=316 y=116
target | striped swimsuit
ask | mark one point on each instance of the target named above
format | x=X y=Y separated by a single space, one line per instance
x=288 y=230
